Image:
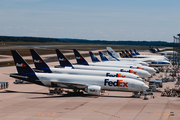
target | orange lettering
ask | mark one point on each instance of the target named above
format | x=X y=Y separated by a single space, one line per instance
x=125 y=84
x=119 y=75
x=130 y=71
x=119 y=83
x=123 y=76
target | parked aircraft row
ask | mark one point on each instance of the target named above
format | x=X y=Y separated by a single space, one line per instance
x=151 y=60
x=78 y=77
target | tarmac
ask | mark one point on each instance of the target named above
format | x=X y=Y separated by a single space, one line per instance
x=32 y=102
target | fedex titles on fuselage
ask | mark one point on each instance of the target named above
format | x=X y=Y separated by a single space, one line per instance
x=130 y=71
x=118 y=83
x=116 y=75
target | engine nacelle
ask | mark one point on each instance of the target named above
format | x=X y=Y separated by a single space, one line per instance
x=93 y=90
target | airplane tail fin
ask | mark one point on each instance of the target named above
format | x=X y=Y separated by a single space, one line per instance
x=39 y=62
x=151 y=49
x=157 y=49
x=111 y=56
x=114 y=54
x=121 y=55
x=132 y=53
x=79 y=58
x=93 y=57
x=21 y=65
x=127 y=52
x=154 y=50
x=63 y=61
x=103 y=57
x=25 y=72
x=124 y=54
x=136 y=52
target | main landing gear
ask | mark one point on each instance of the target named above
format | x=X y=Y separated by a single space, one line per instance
x=55 y=91
x=136 y=95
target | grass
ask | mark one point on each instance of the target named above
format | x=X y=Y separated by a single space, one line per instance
x=64 y=47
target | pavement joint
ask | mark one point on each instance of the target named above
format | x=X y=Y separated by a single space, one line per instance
x=107 y=114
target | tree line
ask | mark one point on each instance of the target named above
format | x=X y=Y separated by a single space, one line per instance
x=69 y=40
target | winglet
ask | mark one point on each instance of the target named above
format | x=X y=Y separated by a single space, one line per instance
x=79 y=58
x=93 y=57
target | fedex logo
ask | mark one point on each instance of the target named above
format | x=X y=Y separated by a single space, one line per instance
x=62 y=59
x=140 y=68
x=122 y=70
x=37 y=61
x=78 y=57
x=20 y=65
x=130 y=71
x=116 y=75
x=118 y=83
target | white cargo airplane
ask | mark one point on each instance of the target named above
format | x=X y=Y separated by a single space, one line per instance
x=90 y=84
x=140 y=73
x=137 y=55
x=151 y=61
x=97 y=62
x=161 y=52
x=41 y=66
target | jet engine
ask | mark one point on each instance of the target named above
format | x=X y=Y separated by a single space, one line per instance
x=93 y=90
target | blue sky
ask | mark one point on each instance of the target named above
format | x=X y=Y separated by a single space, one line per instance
x=137 y=20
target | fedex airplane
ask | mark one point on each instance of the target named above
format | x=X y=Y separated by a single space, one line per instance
x=117 y=64
x=41 y=66
x=91 y=84
x=152 y=61
x=114 y=56
x=140 y=73
x=82 y=61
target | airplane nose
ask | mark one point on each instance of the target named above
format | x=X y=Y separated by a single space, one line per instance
x=145 y=87
x=153 y=71
x=140 y=79
x=148 y=74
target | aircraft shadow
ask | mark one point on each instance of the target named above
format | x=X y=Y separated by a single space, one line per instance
x=71 y=94
x=11 y=91
x=80 y=95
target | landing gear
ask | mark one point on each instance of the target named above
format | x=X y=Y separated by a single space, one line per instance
x=55 y=91
x=76 y=92
x=136 y=95
x=145 y=97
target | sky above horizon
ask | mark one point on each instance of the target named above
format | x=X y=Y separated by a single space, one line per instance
x=136 y=20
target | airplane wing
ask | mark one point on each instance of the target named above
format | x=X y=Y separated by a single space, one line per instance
x=70 y=85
